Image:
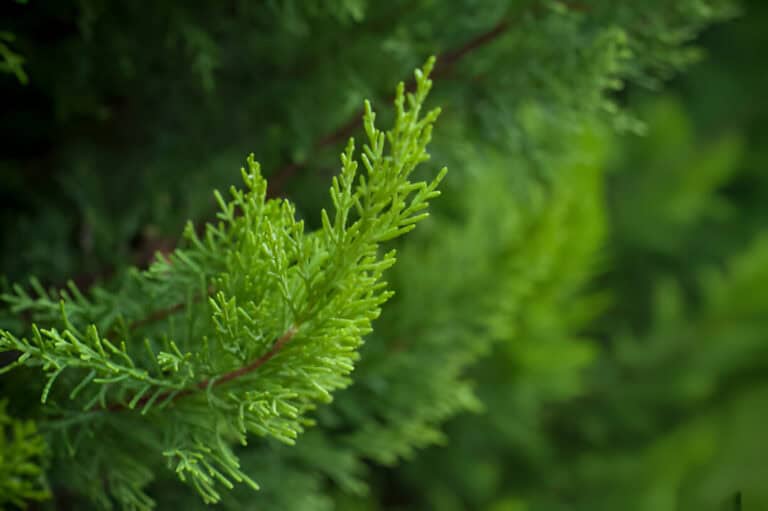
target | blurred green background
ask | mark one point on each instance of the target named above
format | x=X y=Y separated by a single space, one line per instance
x=581 y=325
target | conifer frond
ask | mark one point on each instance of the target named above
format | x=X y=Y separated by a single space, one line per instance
x=244 y=330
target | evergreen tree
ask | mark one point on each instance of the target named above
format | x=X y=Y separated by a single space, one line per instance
x=578 y=324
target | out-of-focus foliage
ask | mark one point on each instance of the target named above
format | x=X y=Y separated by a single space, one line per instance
x=11 y=62
x=580 y=324
x=668 y=415
x=23 y=456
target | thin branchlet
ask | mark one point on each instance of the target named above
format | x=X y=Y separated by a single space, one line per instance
x=211 y=382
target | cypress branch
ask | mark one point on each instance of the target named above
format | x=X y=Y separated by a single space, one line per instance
x=209 y=375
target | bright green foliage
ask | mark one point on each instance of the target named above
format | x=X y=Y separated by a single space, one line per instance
x=272 y=322
x=23 y=453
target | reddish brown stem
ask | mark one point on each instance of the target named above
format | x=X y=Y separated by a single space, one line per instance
x=161 y=314
x=445 y=62
x=157 y=315
x=450 y=58
x=219 y=380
